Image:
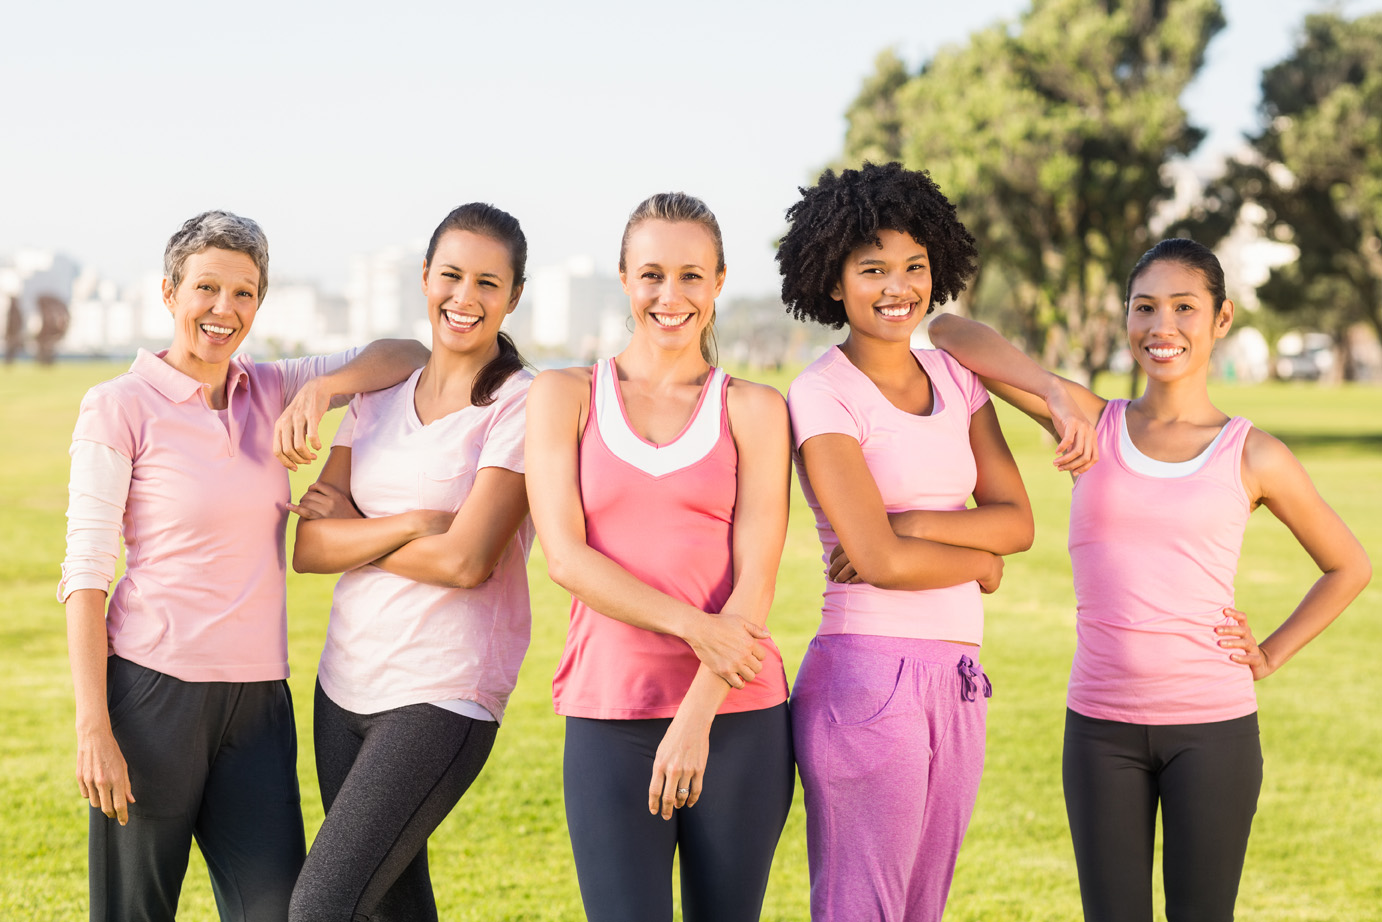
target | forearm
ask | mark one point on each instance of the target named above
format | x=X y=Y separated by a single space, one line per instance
x=87 y=651
x=1325 y=601
x=435 y=560
x=702 y=700
x=999 y=528
x=335 y=545
x=611 y=590
x=984 y=351
x=383 y=363
x=916 y=563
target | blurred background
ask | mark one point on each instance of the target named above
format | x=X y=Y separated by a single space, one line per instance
x=1071 y=134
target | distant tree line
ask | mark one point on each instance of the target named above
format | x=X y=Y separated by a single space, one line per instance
x=1053 y=134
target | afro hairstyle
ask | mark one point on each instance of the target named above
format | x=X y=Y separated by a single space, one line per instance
x=843 y=212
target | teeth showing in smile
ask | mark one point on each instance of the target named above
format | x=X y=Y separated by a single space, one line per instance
x=1165 y=352
x=460 y=321
x=671 y=321
x=895 y=310
x=217 y=330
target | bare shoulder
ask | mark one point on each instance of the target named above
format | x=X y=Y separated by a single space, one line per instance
x=1268 y=465
x=558 y=385
x=753 y=405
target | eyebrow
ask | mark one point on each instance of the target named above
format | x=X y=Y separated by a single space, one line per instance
x=493 y=275
x=1177 y=294
x=697 y=266
x=879 y=262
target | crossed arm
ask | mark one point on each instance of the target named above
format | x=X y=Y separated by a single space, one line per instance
x=434 y=546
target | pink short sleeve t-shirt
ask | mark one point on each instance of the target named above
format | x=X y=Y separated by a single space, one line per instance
x=393 y=641
x=1154 y=561
x=202 y=596
x=918 y=462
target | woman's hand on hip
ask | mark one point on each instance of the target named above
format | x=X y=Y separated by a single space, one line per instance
x=102 y=775
x=1238 y=638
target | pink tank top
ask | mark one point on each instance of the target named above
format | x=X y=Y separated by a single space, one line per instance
x=1154 y=561
x=665 y=513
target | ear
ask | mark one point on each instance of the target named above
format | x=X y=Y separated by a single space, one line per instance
x=424 y=276
x=719 y=282
x=624 y=280
x=513 y=299
x=837 y=293
x=1223 y=320
x=169 y=294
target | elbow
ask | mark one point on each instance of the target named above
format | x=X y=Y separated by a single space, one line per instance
x=468 y=573
x=938 y=329
x=878 y=572
x=559 y=569
x=1023 y=536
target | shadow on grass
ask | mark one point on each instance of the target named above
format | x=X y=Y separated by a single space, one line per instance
x=1299 y=441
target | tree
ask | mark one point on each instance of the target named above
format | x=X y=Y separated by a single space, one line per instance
x=1050 y=136
x=1317 y=172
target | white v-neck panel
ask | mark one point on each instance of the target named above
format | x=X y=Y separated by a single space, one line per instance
x=695 y=442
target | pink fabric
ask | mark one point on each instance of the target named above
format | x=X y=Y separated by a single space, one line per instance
x=1154 y=561
x=202 y=597
x=673 y=532
x=891 y=749
x=918 y=462
x=392 y=641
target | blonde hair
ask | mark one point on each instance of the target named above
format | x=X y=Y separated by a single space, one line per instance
x=677 y=207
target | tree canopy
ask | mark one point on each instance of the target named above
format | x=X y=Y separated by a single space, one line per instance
x=1316 y=170
x=1050 y=136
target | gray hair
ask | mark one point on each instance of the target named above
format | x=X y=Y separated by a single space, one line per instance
x=676 y=207
x=219 y=230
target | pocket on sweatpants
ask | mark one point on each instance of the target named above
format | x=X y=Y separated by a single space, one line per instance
x=127 y=684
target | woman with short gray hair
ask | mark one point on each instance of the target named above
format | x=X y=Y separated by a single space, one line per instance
x=184 y=720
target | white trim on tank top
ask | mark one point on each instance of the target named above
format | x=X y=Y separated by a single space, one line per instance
x=696 y=441
x=1151 y=467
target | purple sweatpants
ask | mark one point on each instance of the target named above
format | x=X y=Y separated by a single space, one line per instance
x=889 y=736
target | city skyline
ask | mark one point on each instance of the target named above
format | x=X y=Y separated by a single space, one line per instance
x=347 y=136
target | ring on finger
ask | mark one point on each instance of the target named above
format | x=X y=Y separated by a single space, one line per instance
x=683 y=792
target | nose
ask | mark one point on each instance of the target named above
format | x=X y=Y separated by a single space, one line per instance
x=464 y=292
x=895 y=283
x=671 y=292
x=1164 y=320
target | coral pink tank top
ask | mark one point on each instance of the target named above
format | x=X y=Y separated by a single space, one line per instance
x=665 y=513
x=1154 y=561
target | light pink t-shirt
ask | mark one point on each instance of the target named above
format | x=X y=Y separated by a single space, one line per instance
x=665 y=513
x=393 y=641
x=918 y=462
x=1154 y=561
x=202 y=597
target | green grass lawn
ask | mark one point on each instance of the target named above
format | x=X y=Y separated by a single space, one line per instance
x=1316 y=853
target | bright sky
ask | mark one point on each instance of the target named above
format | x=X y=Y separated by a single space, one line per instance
x=347 y=127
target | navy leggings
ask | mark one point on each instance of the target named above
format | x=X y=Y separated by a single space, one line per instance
x=1206 y=778
x=387 y=781
x=725 y=842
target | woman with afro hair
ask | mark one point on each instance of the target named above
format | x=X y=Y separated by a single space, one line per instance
x=889 y=706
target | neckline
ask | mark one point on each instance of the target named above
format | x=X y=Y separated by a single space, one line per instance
x=938 y=405
x=1199 y=461
x=613 y=371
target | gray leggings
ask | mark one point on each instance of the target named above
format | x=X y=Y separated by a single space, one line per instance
x=1205 y=777
x=387 y=781
x=725 y=843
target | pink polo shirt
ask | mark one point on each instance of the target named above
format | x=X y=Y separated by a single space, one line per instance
x=202 y=597
x=917 y=462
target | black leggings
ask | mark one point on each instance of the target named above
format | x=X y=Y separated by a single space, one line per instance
x=1206 y=778
x=387 y=781
x=725 y=842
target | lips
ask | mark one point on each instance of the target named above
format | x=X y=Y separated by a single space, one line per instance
x=1164 y=353
x=896 y=311
x=671 y=321
x=217 y=333
x=461 y=323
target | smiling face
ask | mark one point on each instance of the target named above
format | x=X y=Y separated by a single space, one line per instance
x=886 y=289
x=1172 y=323
x=212 y=310
x=470 y=290
x=671 y=279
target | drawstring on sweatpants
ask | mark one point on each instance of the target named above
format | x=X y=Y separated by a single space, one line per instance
x=968 y=672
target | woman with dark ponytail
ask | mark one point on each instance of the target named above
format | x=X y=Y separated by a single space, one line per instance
x=422 y=508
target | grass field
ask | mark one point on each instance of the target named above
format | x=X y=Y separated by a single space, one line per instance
x=1316 y=853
